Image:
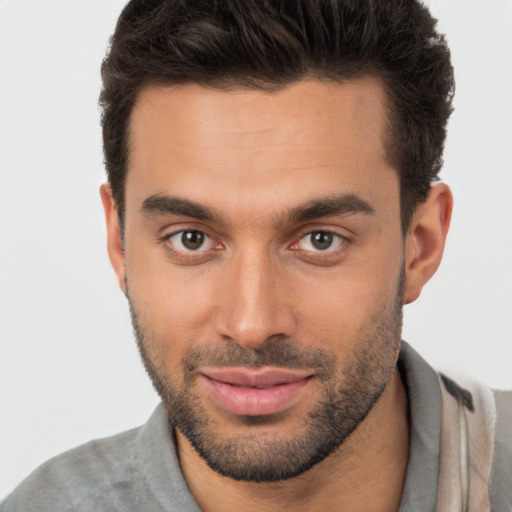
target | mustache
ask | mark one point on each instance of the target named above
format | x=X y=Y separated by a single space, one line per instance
x=279 y=353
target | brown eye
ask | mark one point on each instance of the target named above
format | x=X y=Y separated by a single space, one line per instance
x=191 y=240
x=320 y=241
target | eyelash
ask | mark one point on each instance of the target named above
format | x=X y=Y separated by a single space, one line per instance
x=322 y=257
x=190 y=255
x=337 y=239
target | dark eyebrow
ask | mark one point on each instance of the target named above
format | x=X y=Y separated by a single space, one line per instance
x=335 y=205
x=159 y=204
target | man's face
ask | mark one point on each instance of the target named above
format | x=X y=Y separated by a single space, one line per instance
x=264 y=256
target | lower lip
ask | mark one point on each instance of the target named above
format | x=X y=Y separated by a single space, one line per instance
x=256 y=401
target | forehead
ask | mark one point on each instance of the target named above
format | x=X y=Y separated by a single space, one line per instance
x=306 y=138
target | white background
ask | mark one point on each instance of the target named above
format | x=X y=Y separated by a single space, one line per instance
x=69 y=369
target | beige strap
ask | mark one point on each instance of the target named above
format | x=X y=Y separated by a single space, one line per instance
x=467 y=442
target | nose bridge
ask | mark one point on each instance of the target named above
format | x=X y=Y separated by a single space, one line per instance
x=253 y=307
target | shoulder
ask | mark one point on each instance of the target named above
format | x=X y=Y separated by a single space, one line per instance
x=132 y=471
x=485 y=431
x=503 y=429
x=77 y=480
x=504 y=403
x=501 y=475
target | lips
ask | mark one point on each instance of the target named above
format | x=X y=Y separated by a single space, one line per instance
x=259 y=392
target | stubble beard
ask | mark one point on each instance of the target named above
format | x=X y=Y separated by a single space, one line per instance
x=348 y=394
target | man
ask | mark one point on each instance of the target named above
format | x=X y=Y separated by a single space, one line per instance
x=270 y=208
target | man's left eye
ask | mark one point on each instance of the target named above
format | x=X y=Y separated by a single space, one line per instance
x=191 y=241
x=320 y=241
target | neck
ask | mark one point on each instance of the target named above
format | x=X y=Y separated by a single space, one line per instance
x=366 y=473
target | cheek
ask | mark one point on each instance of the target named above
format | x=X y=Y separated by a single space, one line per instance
x=173 y=305
x=347 y=304
x=336 y=311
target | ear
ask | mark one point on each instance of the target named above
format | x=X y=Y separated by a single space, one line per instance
x=425 y=240
x=114 y=238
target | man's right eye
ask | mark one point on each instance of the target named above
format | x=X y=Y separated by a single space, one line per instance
x=190 y=240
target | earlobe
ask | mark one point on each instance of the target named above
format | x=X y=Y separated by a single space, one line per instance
x=425 y=240
x=114 y=236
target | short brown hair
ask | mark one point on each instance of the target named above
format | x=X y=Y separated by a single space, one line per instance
x=268 y=44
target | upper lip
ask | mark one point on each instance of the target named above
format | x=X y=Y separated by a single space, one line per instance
x=259 y=378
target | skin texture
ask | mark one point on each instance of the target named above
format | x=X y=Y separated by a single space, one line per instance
x=260 y=174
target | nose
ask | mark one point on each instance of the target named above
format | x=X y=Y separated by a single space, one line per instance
x=254 y=302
